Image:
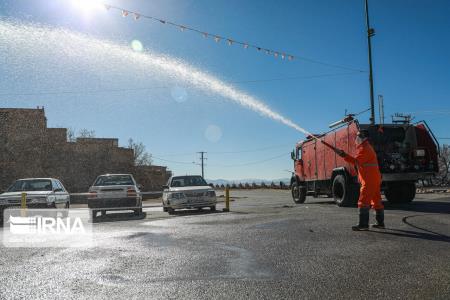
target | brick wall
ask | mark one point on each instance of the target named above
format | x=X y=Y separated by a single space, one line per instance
x=29 y=149
x=152 y=178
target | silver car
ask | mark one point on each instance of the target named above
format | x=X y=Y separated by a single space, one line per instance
x=40 y=193
x=188 y=192
x=114 y=192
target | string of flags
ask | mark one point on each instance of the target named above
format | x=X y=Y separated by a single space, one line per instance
x=217 y=38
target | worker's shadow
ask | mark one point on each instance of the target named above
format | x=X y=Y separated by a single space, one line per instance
x=424 y=234
x=420 y=206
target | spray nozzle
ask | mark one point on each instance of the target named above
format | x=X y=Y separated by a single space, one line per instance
x=347 y=119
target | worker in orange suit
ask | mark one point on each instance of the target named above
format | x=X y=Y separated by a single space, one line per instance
x=369 y=177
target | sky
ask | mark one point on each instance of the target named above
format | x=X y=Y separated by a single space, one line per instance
x=124 y=94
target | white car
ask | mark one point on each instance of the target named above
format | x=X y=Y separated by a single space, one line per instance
x=188 y=192
x=40 y=193
x=114 y=192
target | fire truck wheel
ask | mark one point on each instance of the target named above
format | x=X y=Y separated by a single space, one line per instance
x=400 y=192
x=344 y=194
x=298 y=193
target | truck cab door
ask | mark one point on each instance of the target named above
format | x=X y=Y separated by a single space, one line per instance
x=298 y=164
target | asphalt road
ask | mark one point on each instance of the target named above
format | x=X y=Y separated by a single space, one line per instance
x=266 y=248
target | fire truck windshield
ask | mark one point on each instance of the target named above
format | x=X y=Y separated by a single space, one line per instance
x=388 y=135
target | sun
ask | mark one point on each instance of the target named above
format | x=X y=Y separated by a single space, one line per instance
x=88 y=7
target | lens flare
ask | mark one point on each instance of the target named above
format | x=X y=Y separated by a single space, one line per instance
x=179 y=94
x=213 y=133
x=136 y=45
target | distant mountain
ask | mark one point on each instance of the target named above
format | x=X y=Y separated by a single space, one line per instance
x=249 y=180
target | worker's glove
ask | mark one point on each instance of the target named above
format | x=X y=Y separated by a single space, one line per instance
x=341 y=153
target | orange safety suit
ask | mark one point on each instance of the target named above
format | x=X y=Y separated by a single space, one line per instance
x=369 y=176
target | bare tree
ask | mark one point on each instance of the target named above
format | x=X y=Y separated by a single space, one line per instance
x=71 y=135
x=444 y=165
x=141 y=157
x=85 y=133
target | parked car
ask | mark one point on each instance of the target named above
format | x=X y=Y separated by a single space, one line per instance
x=188 y=192
x=114 y=192
x=40 y=193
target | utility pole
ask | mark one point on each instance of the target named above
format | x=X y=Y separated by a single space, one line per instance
x=381 y=108
x=202 y=158
x=370 y=34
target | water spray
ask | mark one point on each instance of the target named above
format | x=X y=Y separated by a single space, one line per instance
x=37 y=40
x=55 y=46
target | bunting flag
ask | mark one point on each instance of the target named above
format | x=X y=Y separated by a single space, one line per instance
x=217 y=38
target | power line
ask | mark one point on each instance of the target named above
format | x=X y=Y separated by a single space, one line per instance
x=251 y=151
x=362 y=112
x=44 y=93
x=227 y=152
x=297 y=77
x=252 y=163
x=81 y=92
x=173 y=161
x=225 y=166
x=440 y=111
x=229 y=40
x=177 y=154
x=438 y=118
x=329 y=64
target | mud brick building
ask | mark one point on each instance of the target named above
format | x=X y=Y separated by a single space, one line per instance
x=28 y=148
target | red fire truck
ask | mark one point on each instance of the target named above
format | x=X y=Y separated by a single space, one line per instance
x=406 y=153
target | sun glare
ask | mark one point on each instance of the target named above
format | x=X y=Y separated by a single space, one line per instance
x=88 y=7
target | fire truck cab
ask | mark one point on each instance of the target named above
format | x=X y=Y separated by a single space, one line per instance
x=406 y=153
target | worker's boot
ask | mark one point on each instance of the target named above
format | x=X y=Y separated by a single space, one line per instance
x=363 y=220
x=379 y=216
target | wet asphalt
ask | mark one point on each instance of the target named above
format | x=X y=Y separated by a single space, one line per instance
x=267 y=247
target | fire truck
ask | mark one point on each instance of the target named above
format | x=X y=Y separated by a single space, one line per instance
x=406 y=153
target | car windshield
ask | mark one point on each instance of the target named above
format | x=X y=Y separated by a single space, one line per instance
x=187 y=181
x=31 y=185
x=114 y=180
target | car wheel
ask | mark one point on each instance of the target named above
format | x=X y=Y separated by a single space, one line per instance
x=65 y=213
x=212 y=208
x=164 y=209
x=93 y=214
x=170 y=210
x=138 y=212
